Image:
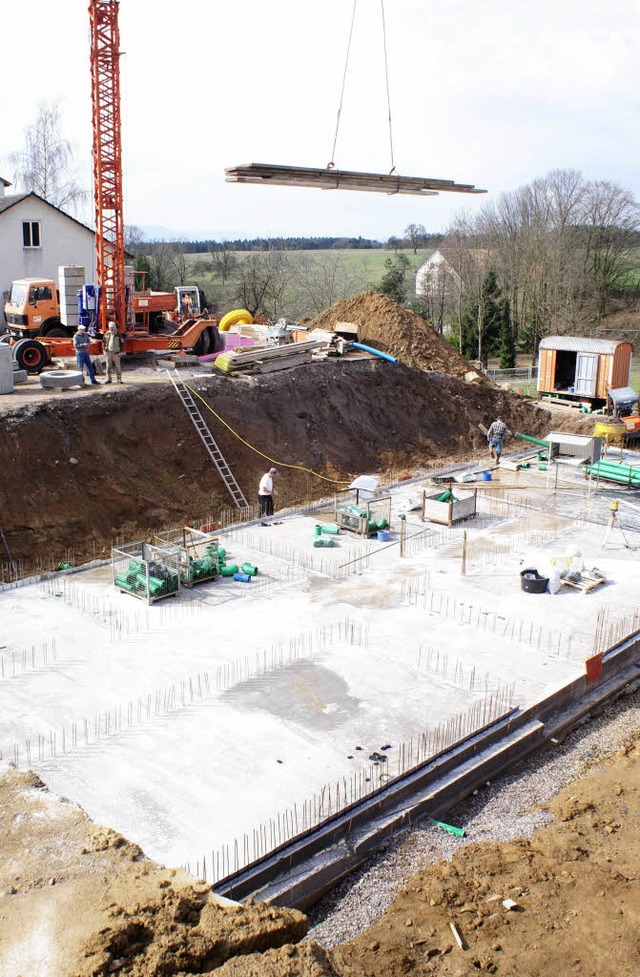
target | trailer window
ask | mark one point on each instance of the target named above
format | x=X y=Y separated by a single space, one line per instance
x=31 y=234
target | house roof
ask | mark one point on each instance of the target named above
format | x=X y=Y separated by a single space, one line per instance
x=581 y=344
x=12 y=199
x=5 y=183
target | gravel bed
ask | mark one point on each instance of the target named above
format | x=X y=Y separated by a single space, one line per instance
x=510 y=808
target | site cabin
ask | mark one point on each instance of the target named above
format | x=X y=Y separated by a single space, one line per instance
x=582 y=369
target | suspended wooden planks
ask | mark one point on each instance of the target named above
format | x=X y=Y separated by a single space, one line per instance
x=267 y=174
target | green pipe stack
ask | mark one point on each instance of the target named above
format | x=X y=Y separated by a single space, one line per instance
x=616 y=472
x=162 y=581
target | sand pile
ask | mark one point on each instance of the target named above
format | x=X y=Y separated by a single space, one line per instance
x=390 y=327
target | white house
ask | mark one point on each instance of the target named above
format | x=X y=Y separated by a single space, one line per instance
x=36 y=237
x=436 y=275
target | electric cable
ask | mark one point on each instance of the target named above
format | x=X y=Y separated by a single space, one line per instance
x=281 y=464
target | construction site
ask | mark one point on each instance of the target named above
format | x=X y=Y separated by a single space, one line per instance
x=301 y=673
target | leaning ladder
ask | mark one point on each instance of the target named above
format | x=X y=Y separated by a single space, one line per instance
x=209 y=442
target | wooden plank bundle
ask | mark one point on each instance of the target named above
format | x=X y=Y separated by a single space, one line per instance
x=269 y=174
x=266 y=359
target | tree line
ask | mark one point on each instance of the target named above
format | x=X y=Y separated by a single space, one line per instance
x=541 y=260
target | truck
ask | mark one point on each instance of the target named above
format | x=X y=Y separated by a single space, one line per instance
x=33 y=309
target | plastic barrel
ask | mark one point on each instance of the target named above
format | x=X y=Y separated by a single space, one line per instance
x=383 y=535
x=486 y=476
x=242 y=577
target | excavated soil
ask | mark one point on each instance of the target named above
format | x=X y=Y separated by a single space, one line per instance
x=387 y=326
x=86 y=468
x=77 y=900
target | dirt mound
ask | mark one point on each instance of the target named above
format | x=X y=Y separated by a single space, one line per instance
x=390 y=327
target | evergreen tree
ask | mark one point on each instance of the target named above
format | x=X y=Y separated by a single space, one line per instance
x=506 y=344
x=394 y=281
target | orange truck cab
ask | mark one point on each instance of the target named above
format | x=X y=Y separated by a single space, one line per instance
x=33 y=309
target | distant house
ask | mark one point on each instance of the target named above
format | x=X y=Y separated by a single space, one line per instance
x=436 y=275
x=36 y=237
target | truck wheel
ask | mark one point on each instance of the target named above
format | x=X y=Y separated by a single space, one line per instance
x=53 y=327
x=30 y=355
x=61 y=379
x=202 y=343
x=216 y=341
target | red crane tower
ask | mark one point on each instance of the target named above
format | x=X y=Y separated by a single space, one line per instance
x=107 y=164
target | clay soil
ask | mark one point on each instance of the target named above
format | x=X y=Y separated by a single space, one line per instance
x=77 y=900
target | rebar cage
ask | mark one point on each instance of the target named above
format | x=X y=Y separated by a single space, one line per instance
x=357 y=512
x=146 y=571
x=199 y=553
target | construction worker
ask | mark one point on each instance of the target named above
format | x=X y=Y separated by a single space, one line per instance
x=496 y=434
x=112 y=342
x=266 y=493
x=81 y=343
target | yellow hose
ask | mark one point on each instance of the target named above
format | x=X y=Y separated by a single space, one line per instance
x=280 y=464
x=235 y=318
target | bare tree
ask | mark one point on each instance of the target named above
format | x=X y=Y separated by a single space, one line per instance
x=223 y=261
x=45 y=165
x=133 y=238
x=161 y=257
x=415 y=234
x=180 y=263
x=611 y=222
x=262 y=282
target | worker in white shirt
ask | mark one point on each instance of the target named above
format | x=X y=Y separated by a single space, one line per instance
x=266 y=493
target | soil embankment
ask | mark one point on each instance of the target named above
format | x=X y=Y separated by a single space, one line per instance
x=83 y=469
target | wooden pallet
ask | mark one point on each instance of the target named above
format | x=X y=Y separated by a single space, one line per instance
x=588 y=581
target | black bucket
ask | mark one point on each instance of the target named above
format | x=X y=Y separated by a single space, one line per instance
x=531 y=581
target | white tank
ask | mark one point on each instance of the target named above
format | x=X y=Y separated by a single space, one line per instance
x=6 y=370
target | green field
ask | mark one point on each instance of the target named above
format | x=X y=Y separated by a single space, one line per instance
x=307 y=282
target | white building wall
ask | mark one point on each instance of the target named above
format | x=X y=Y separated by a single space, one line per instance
x=63 y=241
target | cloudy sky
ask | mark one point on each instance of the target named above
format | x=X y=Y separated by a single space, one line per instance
x=493 y=93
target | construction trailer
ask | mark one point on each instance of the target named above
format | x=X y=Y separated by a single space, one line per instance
x=582 y=369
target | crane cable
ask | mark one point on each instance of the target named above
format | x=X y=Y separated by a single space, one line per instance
x=386 y=75
x=331 y=164
x=281 y=464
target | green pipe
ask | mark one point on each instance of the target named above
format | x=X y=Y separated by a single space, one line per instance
x=449 y=828
x=526 y=437
x=229 y=571
x=249 y=569
x=382 y=524
x=318 y=530
x=319 y=542
x=330 y=529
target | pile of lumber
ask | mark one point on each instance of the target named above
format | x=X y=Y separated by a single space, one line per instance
x=267 y=359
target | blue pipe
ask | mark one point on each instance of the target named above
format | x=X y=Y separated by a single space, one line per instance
x=376 y=352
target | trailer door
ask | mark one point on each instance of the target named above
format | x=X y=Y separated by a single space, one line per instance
x=586 y=372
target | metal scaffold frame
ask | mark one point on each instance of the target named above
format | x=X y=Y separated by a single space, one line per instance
x=107 y=162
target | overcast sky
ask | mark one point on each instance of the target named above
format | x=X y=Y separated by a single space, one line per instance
x=493 y=93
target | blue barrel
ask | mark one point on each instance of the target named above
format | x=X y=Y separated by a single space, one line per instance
x=486 y=476
x=383 y=535
x=242 y=577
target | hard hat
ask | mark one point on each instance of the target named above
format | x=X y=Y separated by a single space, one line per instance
x=81 y=327
x=113 y=326
x=274 y=471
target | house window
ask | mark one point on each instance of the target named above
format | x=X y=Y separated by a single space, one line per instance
x=31 y=234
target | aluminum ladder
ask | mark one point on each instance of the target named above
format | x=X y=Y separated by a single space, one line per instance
x=209 y=442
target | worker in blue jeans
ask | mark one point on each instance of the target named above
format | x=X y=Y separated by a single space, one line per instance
x=81 y=343
x=495 y=437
